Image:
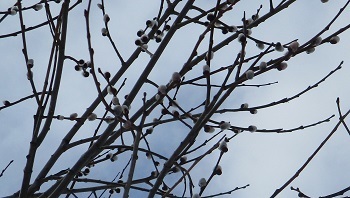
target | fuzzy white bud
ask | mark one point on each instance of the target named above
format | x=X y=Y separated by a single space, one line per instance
x=334 y=40
x=6 y=102
x=126 y=109
x=175 y=113
x=282 y=66
x=127 y=124
x=244 y=105
x=109 y=119
x=115 y=100
x=60 y=117
x=249 y=21
x=262 y=65
x=109 y=155
x=30 y=63
x=255 y=17
x=253 y=111
x=223 y=146
x=317 y=41
x=154 y=173
x=158 y=98
x=310 y=50
x=73 y=116
x=104 y=32
x=151 y=23
x=202 y=182
x=218 y=170
x=88 y=64
x=13 y=10
x=211 y=130
x=210 y=55
x=224 y=125
x=241 y=38
x=252 y=128
x=249 y=32
x=293 y=47
x=29 y=75
x=111 y=90
x=260 y=45
x=279 y=47
x=183 y=159
x=106 y=18
x=176 y=77
x=38 y=7
x=118 y=110
x=249 y=74
x=233 y=28
x=162 y=89
x=206 y=69
x=149 y=130
x=92 y=117
x=99 y=6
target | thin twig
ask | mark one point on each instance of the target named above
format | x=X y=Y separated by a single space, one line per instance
x=311 y=156
x=3 y=170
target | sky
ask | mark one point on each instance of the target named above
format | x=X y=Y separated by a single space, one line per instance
x=265 y=161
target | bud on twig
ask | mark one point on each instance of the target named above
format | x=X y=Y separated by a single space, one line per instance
x=244 y=105
x=30 y=63
x=149 y=130
x=202 y=182
x=176 y=77
x=282 y=66
x=252 y=128
x=223 y=146
x=183 y=159
x=334 y=40
x=162 y=89
x=206 y=70
x=262 y=65
x=225 y=125
x=38 y=7
x=293 y=47
x=218 y=170
x=106 y=18
x=73 y=116
x=92 y=117
x=260 y=45
x=279 y=47
x=249 y=74
x=104 y=32
x=6 y=103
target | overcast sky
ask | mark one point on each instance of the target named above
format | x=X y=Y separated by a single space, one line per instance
x=265 y=161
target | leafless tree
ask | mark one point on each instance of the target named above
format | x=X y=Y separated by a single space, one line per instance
x=184 y=109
